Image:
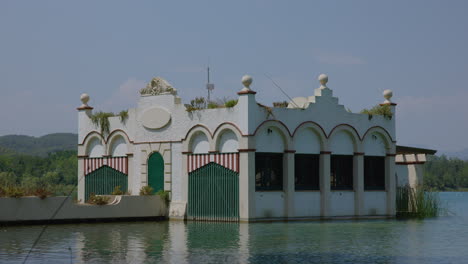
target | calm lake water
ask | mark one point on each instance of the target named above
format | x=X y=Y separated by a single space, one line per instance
x=437 y=240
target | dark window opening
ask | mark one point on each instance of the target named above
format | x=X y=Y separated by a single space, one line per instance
x=269 y=171
x=374 y=173
x=306 y=169
x=341 y=169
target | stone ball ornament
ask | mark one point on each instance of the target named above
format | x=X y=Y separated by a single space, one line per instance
x=323 y=79
x=84 y=102
x=387 y=94
x=247 y=81
x=84 y=98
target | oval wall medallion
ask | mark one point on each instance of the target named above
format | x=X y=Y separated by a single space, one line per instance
x=155 y=118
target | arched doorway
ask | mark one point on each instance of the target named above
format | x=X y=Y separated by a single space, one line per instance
x=156 y=171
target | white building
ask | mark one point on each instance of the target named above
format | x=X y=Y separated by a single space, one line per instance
x=248 y=162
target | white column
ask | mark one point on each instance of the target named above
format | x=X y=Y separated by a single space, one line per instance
x=390 y=185
x=324 y=183
x=84 y=112
x=288 y=180
x=81 y=179
x=246 y=184
x=131 y=173
x=358 y=183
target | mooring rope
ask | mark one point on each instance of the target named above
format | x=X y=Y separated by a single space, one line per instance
x=51 y=218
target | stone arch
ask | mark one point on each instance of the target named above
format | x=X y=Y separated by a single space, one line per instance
x=272 y=136
x=227 y=138
x=344 y=139
x=118 y=144
x=316 y=144
x=198 y=140
x=377 y=142
x=94 y=145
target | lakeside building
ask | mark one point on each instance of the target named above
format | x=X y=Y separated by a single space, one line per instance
x=311 y=159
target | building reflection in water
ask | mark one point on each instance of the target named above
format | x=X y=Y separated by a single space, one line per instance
x=214 y=242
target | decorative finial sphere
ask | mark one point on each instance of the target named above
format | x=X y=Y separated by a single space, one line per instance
x=84 y=98
x=387 y=94
x=323 y=79
x=247 y=80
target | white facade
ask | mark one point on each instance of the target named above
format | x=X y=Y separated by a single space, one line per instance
x=160 y=123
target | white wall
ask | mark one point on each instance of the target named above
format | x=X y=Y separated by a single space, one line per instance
x=306 y=203
x=228 y=142
x=269 y=139
x=341 y=143
x=375 y=203
x=374 y=145
x=306 y=142
x=200 y=143
x=95 y=148
x=119 y=147
x=341 y=203
x=269 y=204
x=177 y=171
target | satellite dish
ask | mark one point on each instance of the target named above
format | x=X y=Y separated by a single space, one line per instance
x=299 y=102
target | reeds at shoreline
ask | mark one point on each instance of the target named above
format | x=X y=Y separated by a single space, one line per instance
x=417 y=203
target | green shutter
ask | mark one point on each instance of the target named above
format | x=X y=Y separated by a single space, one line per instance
x=104 y=180
x=156 y=172
x=213 y=194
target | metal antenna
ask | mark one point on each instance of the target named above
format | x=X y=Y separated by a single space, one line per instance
x=281 y=90
x=209 y=86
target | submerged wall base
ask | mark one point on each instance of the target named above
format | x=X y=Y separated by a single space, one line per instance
x=34 y=209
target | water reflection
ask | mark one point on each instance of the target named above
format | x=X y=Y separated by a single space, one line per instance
x=438 y=240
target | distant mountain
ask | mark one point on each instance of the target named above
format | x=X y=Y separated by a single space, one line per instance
x=37 y=146
x=463 y=154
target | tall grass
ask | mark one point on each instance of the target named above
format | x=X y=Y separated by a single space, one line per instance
x=417 y=202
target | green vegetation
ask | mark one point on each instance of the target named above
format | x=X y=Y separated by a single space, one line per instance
x=37 y=146
x=378 y=110
x=280 y=104
x=24 y=175
x=123 y=116
x=101 y=119
x=417 y=203
x=146 y=190
x=200 y=103
x=164 y=195
x=446 y=174
x=98 y=199
x=117 y=191
x=230 y=103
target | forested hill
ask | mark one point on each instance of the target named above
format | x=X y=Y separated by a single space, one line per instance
x=37 y=146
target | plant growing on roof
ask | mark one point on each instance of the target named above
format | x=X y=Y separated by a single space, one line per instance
x=231 y=103
x=280 y=104
x=101 y=120
x=123 y=116
x=383 y=110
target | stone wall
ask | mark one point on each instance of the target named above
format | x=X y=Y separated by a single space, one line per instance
x=35 y=209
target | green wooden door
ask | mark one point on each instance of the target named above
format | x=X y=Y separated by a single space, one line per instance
x=213 y=194
x=156 y=172
x=104 y=180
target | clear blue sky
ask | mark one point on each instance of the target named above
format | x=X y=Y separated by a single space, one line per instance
x=52 y=51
